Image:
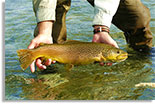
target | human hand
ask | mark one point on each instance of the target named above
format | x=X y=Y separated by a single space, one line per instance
x=35 y=43
x=43 y=36
x=104 y=37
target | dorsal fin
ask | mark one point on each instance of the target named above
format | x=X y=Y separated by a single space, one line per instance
x=41 y=44
x=73 y=42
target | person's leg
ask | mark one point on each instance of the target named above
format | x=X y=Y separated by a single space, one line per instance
x=59 y=28
x=59 y=33
x=133 y=18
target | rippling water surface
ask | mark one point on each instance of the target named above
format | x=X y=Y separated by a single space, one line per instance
x=90 y=82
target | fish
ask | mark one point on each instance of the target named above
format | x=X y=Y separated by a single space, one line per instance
x=72 y=53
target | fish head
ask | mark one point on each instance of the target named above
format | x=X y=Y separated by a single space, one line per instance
x=115 y=55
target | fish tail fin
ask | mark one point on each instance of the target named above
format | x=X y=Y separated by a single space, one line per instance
x=25 y=57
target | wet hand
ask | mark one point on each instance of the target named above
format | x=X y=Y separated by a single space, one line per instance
x=104 y=37
x=34 y=44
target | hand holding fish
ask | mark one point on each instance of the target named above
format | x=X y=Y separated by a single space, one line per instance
x=104 y=37
x=34 y=44
x=44 y=36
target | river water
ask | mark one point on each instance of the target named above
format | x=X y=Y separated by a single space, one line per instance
x=90 y=82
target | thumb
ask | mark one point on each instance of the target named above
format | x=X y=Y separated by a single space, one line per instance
x=95 y=38
x=32 y=45
x=115 y=45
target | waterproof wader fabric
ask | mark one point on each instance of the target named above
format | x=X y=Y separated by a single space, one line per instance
x=132 y=17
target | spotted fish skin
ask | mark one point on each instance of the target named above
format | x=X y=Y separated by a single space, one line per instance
x=77 y=53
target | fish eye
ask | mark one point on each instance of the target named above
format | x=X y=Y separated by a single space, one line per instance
x=118 y=52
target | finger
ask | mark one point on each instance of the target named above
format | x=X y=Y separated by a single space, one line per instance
x=39 y=64
x=48 y=62
x=102 y=63
x=115 y=45
x=53 y=62
x=109 y=64
x=31 y=45
x=95 y=38
x=32 y=67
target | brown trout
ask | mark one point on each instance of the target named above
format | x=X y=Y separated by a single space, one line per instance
x=77 y=53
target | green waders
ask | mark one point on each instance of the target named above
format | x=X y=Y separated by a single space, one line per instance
x=132 y=17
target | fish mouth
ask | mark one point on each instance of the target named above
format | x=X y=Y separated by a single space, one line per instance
x=122 y=57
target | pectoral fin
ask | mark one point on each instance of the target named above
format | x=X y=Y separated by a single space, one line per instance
x=69 y=67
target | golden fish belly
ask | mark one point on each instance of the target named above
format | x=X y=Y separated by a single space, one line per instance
x=72 y=54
